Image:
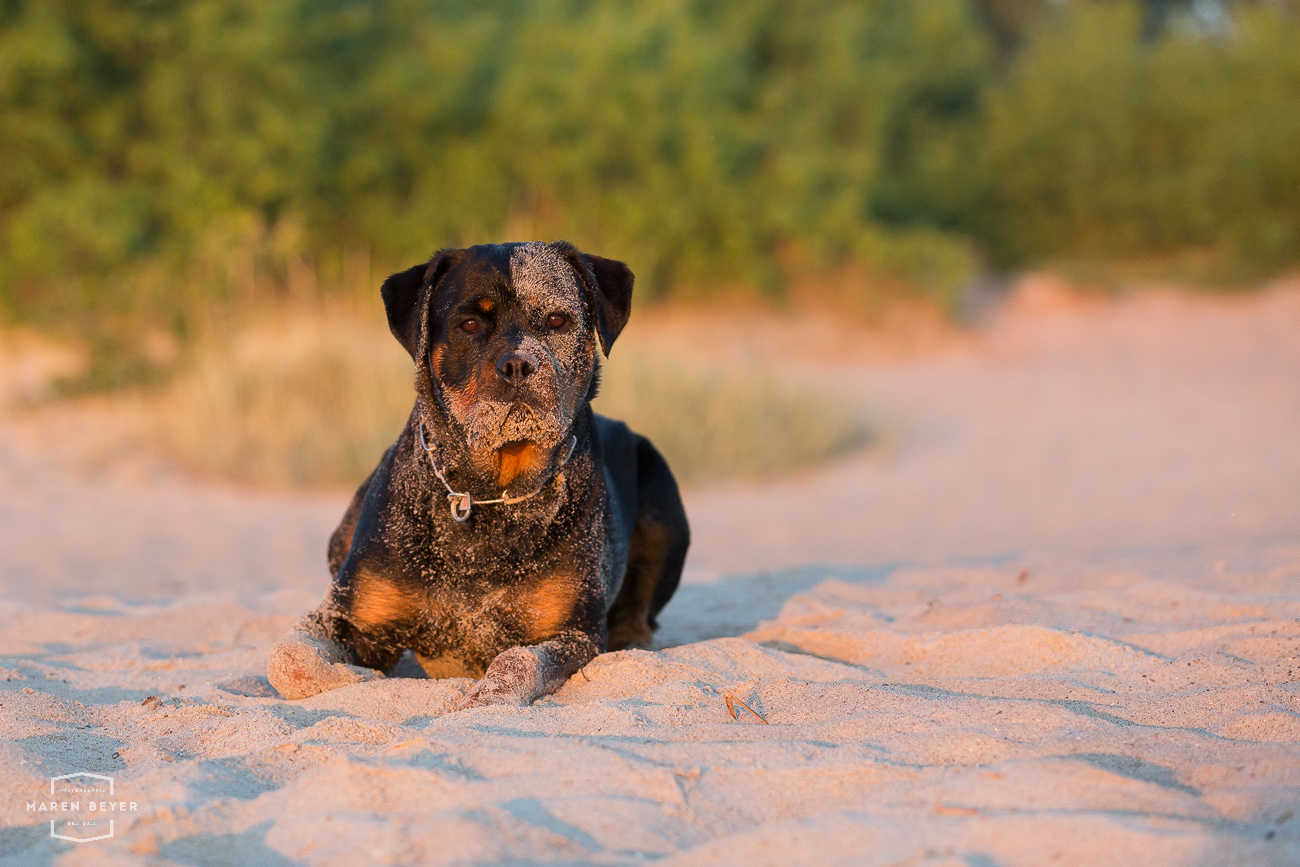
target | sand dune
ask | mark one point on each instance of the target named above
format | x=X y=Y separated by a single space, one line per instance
x=1054 y=619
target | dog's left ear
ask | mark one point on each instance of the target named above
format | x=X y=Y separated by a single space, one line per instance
x=403 y=293
x=609 y=291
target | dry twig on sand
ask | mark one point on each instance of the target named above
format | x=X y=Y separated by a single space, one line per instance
x=732 y=701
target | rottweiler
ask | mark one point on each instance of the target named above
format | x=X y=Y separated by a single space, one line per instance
x=510 y=533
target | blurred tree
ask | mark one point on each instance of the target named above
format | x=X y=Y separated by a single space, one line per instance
x=1009 y=21
x=129 y=128
x=1156 y=16
x=160 y=157
x=1099 y=145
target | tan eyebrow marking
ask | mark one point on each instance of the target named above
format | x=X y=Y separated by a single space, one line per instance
x=486 y=305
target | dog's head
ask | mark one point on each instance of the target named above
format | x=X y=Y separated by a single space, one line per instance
x=507 y=333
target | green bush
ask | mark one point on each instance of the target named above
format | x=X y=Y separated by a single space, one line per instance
x=701 y=141
x=1101 y=144
x=163 y=161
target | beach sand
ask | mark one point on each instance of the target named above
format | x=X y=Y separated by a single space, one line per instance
x=1052 y=616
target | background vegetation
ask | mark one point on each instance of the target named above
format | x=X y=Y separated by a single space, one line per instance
x=204 y=195
x=313 y=397
x=165 y=162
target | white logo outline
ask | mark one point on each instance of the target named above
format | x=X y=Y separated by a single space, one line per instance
x=58 y=836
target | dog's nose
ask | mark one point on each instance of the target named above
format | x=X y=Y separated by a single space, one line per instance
x=515 y=367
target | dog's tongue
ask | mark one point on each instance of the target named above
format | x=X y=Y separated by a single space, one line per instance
x=515 y=459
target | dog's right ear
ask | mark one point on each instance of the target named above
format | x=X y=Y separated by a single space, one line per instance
x=404 y=298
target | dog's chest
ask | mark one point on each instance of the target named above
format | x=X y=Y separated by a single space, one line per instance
x=475 y=617
x=501 y=579
x=495 y=590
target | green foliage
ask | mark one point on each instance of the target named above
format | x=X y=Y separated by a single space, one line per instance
x=1101 y=145
x=702 y=141
x=128 y=129
x=694 y=139
x=162 y=160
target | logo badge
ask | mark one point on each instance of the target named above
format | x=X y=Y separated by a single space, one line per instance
x=84 y=805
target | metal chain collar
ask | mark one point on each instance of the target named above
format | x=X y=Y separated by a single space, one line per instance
x=461 y=503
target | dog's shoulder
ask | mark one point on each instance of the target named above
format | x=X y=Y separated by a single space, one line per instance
x=615 y=445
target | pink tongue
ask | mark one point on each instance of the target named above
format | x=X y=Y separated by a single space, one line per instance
x=514 y=459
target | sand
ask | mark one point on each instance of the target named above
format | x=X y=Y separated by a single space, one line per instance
x=1051 y=616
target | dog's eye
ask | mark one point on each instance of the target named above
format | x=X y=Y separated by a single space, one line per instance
x=469 y=326
x=556 y=320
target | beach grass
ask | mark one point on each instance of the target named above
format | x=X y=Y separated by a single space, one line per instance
x=313 y=398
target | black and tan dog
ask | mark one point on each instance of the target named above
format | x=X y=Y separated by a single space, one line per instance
x=510 y=533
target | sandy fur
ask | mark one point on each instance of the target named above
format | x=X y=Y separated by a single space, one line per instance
x=544 y=283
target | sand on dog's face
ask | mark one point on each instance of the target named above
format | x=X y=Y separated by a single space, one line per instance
x=1092 y=659
x=508 y=296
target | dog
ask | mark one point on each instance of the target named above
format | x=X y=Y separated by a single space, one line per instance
x=509 y=534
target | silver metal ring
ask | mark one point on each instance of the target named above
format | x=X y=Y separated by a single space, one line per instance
x=461 y=505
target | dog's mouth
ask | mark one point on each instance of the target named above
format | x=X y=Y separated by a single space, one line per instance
x=518 y=458
x=513 y=444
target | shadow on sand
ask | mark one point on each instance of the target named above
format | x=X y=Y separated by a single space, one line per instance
x=735 y=604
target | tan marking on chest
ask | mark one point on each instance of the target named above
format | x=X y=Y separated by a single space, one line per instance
x=548 y=605
x=377 y=602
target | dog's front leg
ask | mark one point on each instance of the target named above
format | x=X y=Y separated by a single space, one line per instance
x=522 y=674
x=312 y=659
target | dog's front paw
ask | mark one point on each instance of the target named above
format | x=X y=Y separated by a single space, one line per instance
x=303 y=665
x=490 y=692
x=511 y=679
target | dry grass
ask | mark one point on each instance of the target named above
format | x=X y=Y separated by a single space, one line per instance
x=715 y=421
x=313 y=398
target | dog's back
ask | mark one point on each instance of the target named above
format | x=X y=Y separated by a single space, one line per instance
x=647 y=511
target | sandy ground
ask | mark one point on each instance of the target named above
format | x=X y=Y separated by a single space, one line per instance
x=1053 y=616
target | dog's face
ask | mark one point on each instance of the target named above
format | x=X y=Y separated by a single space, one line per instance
x=509 y=336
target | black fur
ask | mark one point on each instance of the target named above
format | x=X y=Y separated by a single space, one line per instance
x=525 y=594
